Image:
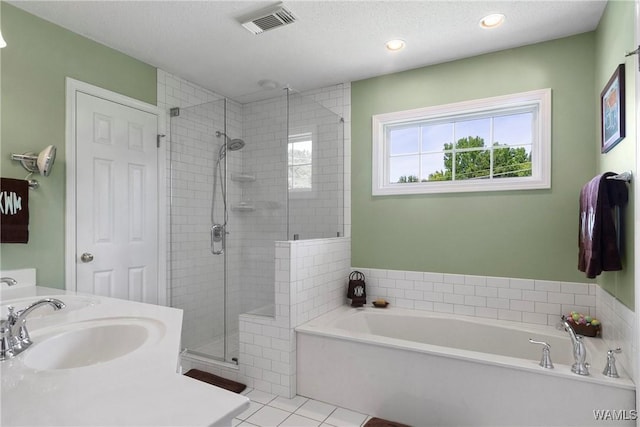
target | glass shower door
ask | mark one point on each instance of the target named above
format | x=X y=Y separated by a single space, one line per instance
x=197 y=276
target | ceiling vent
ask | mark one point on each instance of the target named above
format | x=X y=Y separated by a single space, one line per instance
x=267 y=19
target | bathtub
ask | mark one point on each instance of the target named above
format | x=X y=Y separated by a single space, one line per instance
x=427 y=369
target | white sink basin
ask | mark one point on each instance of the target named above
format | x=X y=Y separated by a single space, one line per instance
x=89 y=343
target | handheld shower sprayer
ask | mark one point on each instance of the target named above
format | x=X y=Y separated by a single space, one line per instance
x=218 y=230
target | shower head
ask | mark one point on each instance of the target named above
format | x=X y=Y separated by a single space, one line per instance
x=235 y=144
x=229 y=144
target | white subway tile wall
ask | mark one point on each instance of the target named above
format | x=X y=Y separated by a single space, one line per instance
x=514 y=299
x=618 y=330
x=310 y=280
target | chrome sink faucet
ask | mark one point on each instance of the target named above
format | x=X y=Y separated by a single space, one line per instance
x=14 y=336
x=580 y=366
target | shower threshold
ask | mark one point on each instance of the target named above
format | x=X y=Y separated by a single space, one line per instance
x=213 y=350
x=191 y=358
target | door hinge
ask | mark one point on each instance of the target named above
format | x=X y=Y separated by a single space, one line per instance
x=158 y=139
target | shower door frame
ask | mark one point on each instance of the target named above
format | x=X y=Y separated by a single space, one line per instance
x=218 y=357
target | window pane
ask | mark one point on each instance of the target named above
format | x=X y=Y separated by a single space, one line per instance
x=300 y=177
x=434 y=137
x=472 y=165
x=404 y=140
x=434 y=169
x=512 y=162
x=515 y=129
x=300 y=153
x=478 y=128
x=403 y=169
x=457 y=146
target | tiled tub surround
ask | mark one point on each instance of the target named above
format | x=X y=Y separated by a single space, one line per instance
x=618 y=330
x=518 y=300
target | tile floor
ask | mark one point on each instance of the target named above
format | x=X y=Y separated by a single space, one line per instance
x=268 y=410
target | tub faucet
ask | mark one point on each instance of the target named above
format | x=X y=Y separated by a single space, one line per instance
x=545 y=362
x=13 y=331
x=610 y=369
x=10 y=281
x=579 y=350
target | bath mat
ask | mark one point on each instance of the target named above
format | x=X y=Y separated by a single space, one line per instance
x=215 y=380
x=379 y=422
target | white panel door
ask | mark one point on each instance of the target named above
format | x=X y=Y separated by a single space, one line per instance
x=116 y=200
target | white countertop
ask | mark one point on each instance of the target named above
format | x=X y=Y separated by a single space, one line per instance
x=141 y=388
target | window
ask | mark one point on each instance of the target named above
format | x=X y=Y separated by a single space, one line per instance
x=300 y=162
x=492 y=144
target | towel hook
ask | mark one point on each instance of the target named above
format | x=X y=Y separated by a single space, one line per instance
x=624 y=176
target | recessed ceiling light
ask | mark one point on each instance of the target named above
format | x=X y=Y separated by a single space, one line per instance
x=492 y=21
x=268 y=84
x=395 y=45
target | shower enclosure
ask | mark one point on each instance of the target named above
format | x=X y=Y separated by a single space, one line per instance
x=243 y=176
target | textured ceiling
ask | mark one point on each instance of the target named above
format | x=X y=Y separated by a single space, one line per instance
x=331 y=41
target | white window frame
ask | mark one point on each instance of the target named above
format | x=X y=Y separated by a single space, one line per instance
x=295 y=135
x=538 y=100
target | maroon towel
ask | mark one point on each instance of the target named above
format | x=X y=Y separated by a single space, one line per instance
x=14 y=210
x=597 y=240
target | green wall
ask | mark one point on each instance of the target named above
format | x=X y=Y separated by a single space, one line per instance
x=615 y=37
x=37 y=59
x=526 y=234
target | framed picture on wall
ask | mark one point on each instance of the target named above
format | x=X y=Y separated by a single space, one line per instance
x=612 y=110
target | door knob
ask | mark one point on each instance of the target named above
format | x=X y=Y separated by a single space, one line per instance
x=86 y=257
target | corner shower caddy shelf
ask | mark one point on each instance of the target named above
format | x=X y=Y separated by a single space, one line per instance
x=243 y=207
x=242 y=177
